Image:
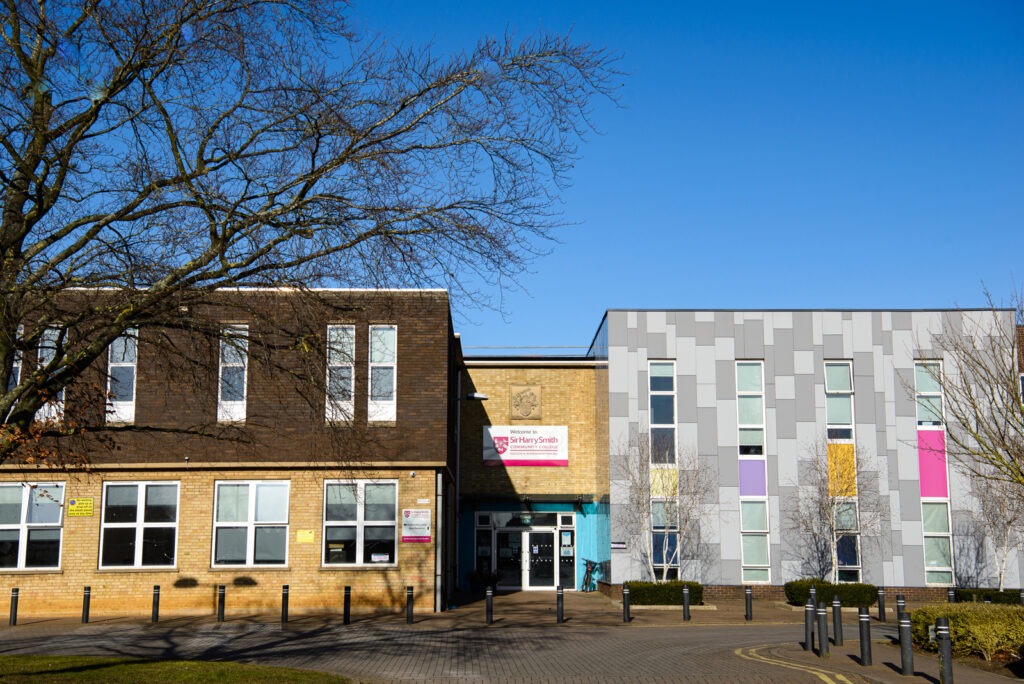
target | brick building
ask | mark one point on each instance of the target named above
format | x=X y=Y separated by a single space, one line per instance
x=268 y=437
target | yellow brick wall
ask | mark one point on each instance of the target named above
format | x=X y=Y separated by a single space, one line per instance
x=569 y=396
x=312 y=588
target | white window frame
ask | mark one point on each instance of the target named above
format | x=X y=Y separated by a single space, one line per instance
x=741 y=426
x=250 y=524
x=947 y=535
x=140 y=525
x=848 y=532
x=669 y=460
x=14 y=379
x=338 y=410
x=382 y=410
x=24 y=527
x=764 y=533
x=53 y=410
x=670 y=528
x=918 y=394
x=237 y=337
x=840 y=432
x=360 y=524
x=122 y=409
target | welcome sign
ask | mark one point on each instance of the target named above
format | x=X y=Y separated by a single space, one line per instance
x=512 y=445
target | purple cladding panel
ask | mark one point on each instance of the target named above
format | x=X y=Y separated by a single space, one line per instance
x=753 y=481
x=931 y=458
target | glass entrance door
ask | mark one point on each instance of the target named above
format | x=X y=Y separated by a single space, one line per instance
x=509 y=561
x=541 y=571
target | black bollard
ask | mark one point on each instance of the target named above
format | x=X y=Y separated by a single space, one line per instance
x=490 y=605
x=1022 y=597
x=837 y=621
x=284 y=604
x=865 y=635
x=945 y=643
x=748 y=600
x=822 y=630
x=881 y=605
x=901 y=604
x=625 y=603
x=86 y=599
x=220 y=603
x=951 y=595
x=906 y=647
x=408 y=605
x=686 y=604
x=560 y=604
x=13 y=620
x=155 y=616
x=809 y=625
x=347 y=615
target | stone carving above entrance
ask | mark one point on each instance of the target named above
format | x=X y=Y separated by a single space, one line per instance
x=525 y=402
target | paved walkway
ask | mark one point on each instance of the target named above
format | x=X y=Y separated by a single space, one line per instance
x=525 y=644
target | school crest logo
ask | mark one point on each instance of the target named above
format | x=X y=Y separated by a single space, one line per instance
x=501 y=445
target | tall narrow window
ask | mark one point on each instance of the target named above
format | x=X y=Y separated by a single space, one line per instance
x=753 y=472
x=754 y=529
x=121 y=362
x=938 y=545
x=665 y=539
x=750 y=407
x=928 y=386
x=662 y=379
x=341 y=353
x=15 y=377
x=251 y=523
x=383 y=373
x=234 y=359
x=847 y=528
x=140 y=524
x=49 y=347
x=30 y=525
x=839 y=400
x=360 y=522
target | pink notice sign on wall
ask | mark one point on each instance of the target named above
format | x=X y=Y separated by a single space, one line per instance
x=931 y=459
x=540 y=445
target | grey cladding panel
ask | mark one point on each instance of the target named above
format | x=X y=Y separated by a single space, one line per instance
x=686 y=399
x=782 y=352
x=902 y=320
x=705 y=334
x=753 y=339
x=805 y=399
x=833 y=346
x=707 y=430
x=725 y=379
x=725 y=324
x=684 y=322
x=802 y=337
x=785 y=419
x=656 y=347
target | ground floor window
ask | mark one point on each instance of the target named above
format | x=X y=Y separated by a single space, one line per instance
x=754 y=538
x=30 y=524
x=140 y=524
x=251 y=523
x=360 y=522
x=665 y=539
x=938 y=544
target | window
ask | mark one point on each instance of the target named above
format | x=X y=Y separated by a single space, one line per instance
x=383 y=371
x=30 y=525
x=140 y=524
x=341 y=352
x=754 y=528
x=121 y=377
x=360 y=522
x=839 y=400
x=50 y=342
x=847 y=530
x=938 y=545
x=234 y=356
x=750 y=407
x=15 y=377
x=251 y=523
x=662 y=380
x=665 y=539
x=927 y=377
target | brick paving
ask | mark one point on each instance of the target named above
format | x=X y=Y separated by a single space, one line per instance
x=523 y=645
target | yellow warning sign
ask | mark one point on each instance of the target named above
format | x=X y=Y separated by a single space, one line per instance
x=81 y=508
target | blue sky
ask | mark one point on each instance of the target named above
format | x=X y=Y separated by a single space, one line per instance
x=768 y=155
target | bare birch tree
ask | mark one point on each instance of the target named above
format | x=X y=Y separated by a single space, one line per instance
x=161 y=150
x=999 y=515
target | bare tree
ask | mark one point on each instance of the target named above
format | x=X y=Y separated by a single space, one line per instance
x=1000 y=517
x=667 y=497
x=980 y=382
x=833 y=510
x=161 y=150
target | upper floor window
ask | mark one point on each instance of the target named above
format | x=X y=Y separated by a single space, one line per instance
x=662 y=387
x=30 y=524
x=15 y=377
x=341 y=352
x=140 y=524
x=250 y=526
x=383 y=373
x=234 y=360
x=121 y=363
x=50 y=342
x=928 y=390
x=750 y=407
x=839 y=400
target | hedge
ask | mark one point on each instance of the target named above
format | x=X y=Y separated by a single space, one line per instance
x=1010 y=598
x=664 y=593
x=851 y=594
x=975 y=628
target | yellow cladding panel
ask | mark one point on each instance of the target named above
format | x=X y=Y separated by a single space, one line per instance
x=842 y=470
x=664 y=482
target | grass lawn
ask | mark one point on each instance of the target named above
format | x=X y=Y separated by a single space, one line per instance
x=88 y=669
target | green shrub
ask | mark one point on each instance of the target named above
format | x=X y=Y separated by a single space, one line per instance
x=975 y=628
x=664 y=593
x=851 y=594
x=1010 y=598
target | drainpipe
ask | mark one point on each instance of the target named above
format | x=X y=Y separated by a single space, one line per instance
x=438 y=540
